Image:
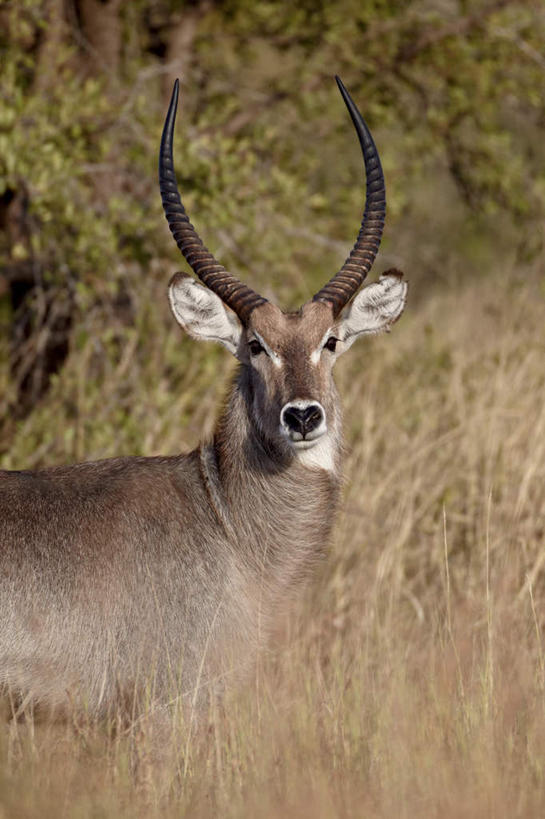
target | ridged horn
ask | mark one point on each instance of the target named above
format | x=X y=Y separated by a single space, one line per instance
x=231 y=291
x=340 y=289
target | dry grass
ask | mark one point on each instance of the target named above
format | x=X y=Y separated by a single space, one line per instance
x=412 y=681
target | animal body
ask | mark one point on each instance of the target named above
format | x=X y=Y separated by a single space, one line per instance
x=158 y=577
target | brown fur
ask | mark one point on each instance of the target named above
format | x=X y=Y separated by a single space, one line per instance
x=138 y=580
x=160 y=576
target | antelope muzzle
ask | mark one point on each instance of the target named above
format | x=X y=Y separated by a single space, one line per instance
x=303 y=422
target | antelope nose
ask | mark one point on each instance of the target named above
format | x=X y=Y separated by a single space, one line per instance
x=302 y=418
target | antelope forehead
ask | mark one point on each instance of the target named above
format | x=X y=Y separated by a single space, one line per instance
x=293 y=338
x=296 y=350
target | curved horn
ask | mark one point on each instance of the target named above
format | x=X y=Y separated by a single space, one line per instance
x=231 y=291
x=340 y=289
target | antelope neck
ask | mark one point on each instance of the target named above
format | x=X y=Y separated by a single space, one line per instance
x=269 y=496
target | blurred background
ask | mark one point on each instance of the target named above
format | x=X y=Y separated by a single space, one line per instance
x=269 y=168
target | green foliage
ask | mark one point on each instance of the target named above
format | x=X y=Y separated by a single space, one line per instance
x=265 y=155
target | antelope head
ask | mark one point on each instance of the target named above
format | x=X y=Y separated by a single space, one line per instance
x=287 y=356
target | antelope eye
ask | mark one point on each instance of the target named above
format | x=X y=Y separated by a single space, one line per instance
x=255 y=347
x=331 y=344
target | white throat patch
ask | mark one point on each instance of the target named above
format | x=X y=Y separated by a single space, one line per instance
x=319 y=456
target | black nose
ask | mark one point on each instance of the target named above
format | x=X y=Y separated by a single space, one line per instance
x=303 y=420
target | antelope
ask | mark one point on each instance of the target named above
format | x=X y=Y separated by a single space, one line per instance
x=161 y=576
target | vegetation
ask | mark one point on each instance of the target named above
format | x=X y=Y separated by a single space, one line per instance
x=411 y=681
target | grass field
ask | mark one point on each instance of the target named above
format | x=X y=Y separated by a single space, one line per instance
x=411 y=681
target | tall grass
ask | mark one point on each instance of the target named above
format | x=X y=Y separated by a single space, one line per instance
x=411 y=680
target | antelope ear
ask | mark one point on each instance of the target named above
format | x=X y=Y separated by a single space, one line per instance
x=202 y=314
x=375 y=308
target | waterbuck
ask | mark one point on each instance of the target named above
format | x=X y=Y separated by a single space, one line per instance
x=159 y=576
